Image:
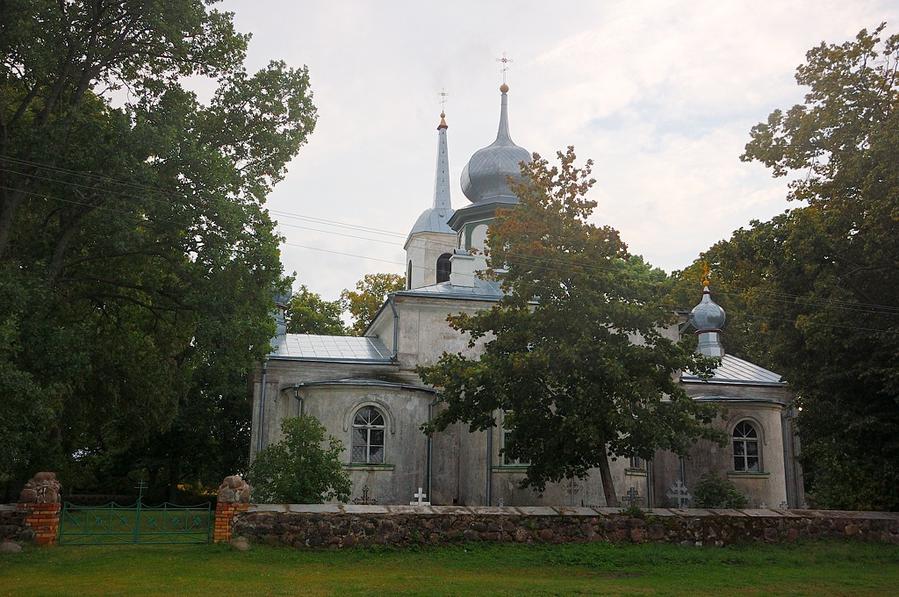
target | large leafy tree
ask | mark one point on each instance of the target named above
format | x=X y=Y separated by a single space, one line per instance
x=136 y=258
x=309 y=313
x=370 y=293
x=814 y=293
x=574 y=354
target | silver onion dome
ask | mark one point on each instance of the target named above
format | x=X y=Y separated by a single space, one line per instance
x=707 y=316
x=486 y=175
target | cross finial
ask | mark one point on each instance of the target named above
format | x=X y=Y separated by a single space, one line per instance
x=443 y=95
x=706 y=270
x=505 y=66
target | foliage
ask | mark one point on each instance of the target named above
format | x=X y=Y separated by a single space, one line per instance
x=371 y=292
x=814 y=293
x=297 y=469
x=558 y=352
x=137 y=262
x=713 y=491
x=309 y=313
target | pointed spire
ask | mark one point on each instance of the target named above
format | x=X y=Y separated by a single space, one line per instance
x=441 y=178
x=502 y=134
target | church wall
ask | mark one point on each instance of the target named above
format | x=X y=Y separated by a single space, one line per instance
x=405 y=462
x=425 y=334
x=280 y=401
x=423 y=250
x=765 y=488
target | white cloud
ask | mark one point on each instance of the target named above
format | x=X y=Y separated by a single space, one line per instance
x=660 y=94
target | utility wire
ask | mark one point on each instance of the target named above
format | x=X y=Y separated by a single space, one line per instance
x=787 y=298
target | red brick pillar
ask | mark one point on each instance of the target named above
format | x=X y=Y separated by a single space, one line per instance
x=233 y=497
x=40 y=500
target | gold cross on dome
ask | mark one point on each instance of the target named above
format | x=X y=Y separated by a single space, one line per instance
x=505 y=65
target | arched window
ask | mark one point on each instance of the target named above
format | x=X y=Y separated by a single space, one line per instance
x=444 y=267
x=409 y=276
x=368 y=436
x=747 y=457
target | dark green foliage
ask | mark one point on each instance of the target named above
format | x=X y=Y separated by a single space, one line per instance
x=298 y=469
x=559 y=357
x=309 y=313
x=713 y=491
x=137 y=262
x=814 y=293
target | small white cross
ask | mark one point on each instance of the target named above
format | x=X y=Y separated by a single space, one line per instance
x=420 y=497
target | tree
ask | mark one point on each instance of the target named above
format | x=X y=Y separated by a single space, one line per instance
x=559 y=357
x=297 y=469
x=308 y=313
x=135 y=251
x=814 y=292
x=371 y=292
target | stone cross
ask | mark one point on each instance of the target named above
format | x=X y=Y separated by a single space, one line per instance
x=420 y=499
x=632 y=498
x=680 y=494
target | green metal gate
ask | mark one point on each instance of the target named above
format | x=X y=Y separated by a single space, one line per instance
x=115 y=524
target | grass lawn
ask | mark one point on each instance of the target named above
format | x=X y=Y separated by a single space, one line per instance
x=804 y=569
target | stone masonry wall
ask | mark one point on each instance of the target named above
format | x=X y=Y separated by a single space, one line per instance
x=13 y=526
x=350 y=525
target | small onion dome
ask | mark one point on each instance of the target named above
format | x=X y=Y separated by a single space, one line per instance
x=486 y=175
x=707 y=316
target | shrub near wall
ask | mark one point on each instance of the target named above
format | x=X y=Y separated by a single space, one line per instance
x=347 y=526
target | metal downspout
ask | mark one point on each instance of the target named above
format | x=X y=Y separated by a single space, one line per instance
x=262 y=406
x=430 y=450
x=396 y=327
x=489 y=492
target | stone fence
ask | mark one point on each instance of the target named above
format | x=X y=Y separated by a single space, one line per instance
x=337 y=526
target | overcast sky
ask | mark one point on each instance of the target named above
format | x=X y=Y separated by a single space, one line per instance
x=660 y=94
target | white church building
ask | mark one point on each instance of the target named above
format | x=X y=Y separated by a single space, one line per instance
x=366 y=393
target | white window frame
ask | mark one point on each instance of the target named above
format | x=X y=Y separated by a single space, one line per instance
x=367 y=429
x=745 y=439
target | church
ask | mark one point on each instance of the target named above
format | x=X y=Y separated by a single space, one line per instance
x=366 y=393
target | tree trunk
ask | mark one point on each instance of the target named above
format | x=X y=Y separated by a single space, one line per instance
x=608 y=486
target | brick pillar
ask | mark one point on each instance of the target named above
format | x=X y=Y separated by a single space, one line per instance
x=233 y=497
x=40 y=501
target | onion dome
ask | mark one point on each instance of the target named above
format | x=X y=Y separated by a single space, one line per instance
x=708 y=319
x=486 y=176
x=435 y=218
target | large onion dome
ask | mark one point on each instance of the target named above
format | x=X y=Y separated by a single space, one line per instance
x=486 y=176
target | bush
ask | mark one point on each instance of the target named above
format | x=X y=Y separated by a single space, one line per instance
x=714 y=492
x=298 y=469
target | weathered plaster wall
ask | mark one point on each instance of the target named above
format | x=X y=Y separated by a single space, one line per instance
x=346 y=526
x=423 y=250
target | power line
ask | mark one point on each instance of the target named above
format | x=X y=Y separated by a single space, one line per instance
x=788 y=298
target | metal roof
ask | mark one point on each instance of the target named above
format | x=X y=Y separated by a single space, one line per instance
x=309 y=347
x=348 y=381
x=734 y=370
x=483 y=290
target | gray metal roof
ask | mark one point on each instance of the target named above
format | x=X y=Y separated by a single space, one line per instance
x=734 y=370
x=486 y=175
x=483 y=290
x=309 y=347
x=348 y=381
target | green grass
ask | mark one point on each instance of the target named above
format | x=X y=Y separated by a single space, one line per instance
x=803 y=569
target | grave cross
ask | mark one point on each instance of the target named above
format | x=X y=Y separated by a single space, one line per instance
x=632 y=498
x=366 y=499
x=420 y=499
x=680 y=494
